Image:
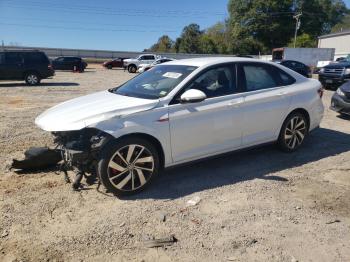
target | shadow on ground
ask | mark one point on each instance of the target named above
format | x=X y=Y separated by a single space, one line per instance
x=259 y=163
x=43 y=84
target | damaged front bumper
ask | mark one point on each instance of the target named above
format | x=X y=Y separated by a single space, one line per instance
x=81 y=150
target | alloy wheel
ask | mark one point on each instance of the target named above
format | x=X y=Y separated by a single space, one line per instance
x=295 y=132
x=130 y=167
x=32 y=79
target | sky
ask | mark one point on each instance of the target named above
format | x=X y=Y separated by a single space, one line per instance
x=104 y=25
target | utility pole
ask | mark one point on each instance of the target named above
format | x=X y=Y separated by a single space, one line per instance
x=297 y=26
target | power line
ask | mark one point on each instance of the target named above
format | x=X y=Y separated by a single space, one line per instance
x=89 y=7
x=86 y=23
x=107 y=12
x=87 y=29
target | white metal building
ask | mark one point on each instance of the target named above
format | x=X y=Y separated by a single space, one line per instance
x=340 y=41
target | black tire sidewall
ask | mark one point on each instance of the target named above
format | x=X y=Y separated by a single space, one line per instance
x=132 y=69
x=281 y=140
x=29 y=74
x=108 y=151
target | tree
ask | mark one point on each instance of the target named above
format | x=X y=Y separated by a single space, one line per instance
x=262 y=24
x=344 y=25
x=219 y=35
x=266 y=24
x=207 y=45
x=304 y=40
x=164 y=45
x=190 y=39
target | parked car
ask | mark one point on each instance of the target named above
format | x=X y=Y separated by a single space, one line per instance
x=69 y=63
x=341 y=99
x=132 y=64
x=185 y=110
x=118 y=62
x=145 y=67
x=29 y=65
x=297 y=67
x=334 y=75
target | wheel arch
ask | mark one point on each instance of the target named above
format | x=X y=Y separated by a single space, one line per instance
x=153 y=140
x=302 y=111
x=25 y=73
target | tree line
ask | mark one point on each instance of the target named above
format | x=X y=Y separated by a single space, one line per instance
x=258 y=26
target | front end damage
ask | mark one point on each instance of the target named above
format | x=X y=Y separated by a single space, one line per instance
x=80 y=153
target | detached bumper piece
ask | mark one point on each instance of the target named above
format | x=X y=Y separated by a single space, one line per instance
x=340 y=104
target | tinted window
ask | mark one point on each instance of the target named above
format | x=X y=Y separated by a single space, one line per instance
x=2 y=58
x=215 y=82
x=148 y=57
x=13 y=58
x=35 y=58
x=258 y=77
x=285 y=78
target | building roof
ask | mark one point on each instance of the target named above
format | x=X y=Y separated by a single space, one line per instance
x=345 y=32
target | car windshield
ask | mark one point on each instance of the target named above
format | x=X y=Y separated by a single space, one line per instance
x=155 y=83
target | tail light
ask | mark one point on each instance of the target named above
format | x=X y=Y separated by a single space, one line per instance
x=320 y=92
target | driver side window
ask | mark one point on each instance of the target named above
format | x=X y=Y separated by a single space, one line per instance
x=215 y=82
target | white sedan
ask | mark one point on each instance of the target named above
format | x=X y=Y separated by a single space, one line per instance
x=182 y=111
x=145 y=67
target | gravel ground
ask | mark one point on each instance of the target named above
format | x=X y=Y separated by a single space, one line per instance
x=257 y=205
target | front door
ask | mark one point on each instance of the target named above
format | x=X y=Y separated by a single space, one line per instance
x=211 y=126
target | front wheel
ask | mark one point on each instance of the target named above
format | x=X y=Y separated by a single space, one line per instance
x=132 y=69
x=128 y=166
x=32 y=79
x=293 y=132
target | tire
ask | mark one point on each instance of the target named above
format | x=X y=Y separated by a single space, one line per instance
x=109 y=67
x=293 y=132
x=128 y=166
x=132 y=69
x=32 y=79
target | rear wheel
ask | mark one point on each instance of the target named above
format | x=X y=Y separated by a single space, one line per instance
x=128 y=166
x=293 y=132
x=32 y=79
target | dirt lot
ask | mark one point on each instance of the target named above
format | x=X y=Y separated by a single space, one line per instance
x=259 y=205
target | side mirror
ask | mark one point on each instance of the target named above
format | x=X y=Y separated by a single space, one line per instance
x=192 y=96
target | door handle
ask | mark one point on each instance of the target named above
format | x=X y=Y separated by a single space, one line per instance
x=236 y=103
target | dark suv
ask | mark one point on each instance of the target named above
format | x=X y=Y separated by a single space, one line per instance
x=334 y=75
x=69 y=63
x=28 y=65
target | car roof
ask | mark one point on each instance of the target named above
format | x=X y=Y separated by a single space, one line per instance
x=208 y=61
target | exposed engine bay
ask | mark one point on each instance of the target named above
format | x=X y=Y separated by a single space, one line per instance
x=80 y=153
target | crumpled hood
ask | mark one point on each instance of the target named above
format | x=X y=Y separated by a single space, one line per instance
x=88 y=110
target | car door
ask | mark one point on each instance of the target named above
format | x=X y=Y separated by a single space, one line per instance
x=211 y=126
x=14 y=65
x=58 y=63
x=266 y=101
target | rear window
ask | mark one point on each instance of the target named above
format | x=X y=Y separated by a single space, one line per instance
x=285 y=78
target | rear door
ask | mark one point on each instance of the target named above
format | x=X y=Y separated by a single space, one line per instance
x=266 y=101
x=14 y=65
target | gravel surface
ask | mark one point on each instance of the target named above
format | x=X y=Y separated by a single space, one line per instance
x=256 y=205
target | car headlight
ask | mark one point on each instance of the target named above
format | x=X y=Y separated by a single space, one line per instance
x=340 y=92
x=347 y=71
